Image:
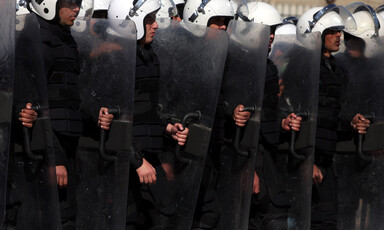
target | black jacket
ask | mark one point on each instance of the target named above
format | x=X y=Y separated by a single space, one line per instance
x=148 y=128
x=332 y=81
x=270 y=121
x=61 y=60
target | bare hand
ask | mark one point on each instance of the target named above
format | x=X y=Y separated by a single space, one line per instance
x=27 y=116
x=360 y=123
x=178 y=133
x=291 y=122
x=146 y=173
x=61 y=176
x=317 y=176
x=105 y=119
x=240 y=116
x=256 y=184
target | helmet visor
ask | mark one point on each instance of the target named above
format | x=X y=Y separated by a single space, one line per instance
x=172 y=9
x=242 y=11
x=359 y=6
x=348 y=20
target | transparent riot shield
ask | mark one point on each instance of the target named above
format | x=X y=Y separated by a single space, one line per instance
x=7 y=54
x=298 y=60
x=192 y=63
x=359 y=160
x=107 y=79
x=32 y=188
x=243 y=83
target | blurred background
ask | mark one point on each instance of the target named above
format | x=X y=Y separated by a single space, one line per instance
x=298 y=7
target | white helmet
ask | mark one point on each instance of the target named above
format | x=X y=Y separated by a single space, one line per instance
x=288 y=26
x=102 y=4
x=240 y=7
x=380 y=11
x=264 y=13
x=234 y=5
x=85 y=13
x=380 y=15
x=286 y=29
x=125 y=9
x=168 y=9
x=200 y=11
x=47 y=9
x=331 y=16
x=177 y=2
x=368 y=24
x=21 y=7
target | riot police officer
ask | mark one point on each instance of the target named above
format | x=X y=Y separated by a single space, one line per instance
x=329 y=21
x=356 y=162
x=214 y=14
x=148 y=129
x=61 y=68
x=270 y=201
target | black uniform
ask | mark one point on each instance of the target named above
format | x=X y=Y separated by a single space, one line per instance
x=272 y=201
x=324 y=195
x=61 y=60
x=148 y=136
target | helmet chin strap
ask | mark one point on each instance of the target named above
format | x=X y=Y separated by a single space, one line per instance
x=200 y=9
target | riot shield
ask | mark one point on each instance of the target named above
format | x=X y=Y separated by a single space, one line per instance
x=243 y=83
x=7 y=54
x=192 y=62
x=32 y=188
x=298 y=59
x=359 y=160
x=107 y=53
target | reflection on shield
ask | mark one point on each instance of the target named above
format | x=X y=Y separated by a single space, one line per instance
x=7 y=54
x=107 y=79
x=191 y=62
x=243 y=83
x=32 y=183
x=359 y=161
x=298 y=59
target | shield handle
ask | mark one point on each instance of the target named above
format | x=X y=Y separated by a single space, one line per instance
x=359 y=147
x=103 y=137
x=27 y=140
x=292 y=150
x=236 y=141
x=188 y=118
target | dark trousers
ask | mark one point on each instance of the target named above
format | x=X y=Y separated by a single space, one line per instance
x=269 y=208
x=67 y=195
x=207 y=212
x=324 y=195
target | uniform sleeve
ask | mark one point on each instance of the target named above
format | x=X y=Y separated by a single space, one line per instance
x=60 y=156
x=136 y=156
